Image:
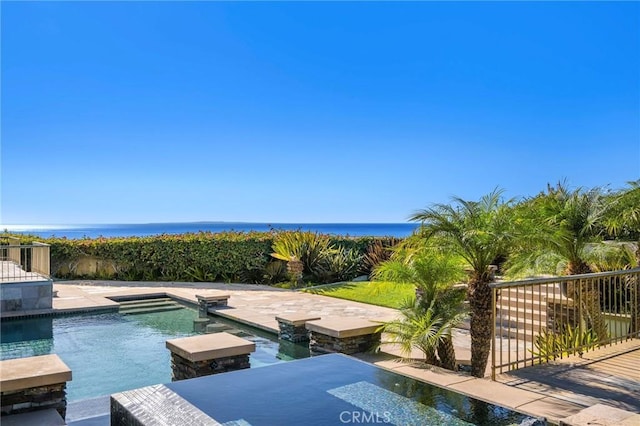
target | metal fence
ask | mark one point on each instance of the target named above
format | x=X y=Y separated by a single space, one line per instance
x=27 y=262
x=540 y=320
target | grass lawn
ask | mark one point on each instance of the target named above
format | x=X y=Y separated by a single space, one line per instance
x=381 y=293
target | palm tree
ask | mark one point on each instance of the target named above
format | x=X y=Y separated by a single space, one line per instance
x=428 y=320
x=624 y=218
x=479 y=232
x=623 y=215
x=423 y=327
x=558 y=232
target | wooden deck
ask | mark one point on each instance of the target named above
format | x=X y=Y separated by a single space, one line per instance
x=609 y=376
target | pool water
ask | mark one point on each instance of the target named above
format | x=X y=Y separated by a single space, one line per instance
x=110 y=352
x=333 y=390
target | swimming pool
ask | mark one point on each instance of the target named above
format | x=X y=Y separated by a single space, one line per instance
x=324 y=390
x=111 y=352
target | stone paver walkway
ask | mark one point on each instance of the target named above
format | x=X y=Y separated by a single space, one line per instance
x=250 y=304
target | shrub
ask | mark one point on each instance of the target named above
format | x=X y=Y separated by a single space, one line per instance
x=339 y=264
x=203 y=256
x=378 y=251
x=551 y=345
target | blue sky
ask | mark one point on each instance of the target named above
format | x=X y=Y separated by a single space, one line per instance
x=138 y=112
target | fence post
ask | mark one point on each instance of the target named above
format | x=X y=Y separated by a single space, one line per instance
x=13 y=252
x=493 y=333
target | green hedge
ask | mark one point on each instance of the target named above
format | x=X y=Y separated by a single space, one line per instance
x=204 y=256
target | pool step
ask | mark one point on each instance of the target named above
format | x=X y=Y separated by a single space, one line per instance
x=148 y=306
x=238 y=333
x=147 y=301
x=150 y=310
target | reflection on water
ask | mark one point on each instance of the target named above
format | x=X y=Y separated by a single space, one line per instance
x=26 y=329
x=288 y=351
x=449 y=402
x=27 y=337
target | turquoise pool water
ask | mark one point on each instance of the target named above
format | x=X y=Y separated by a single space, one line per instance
x=110 y=352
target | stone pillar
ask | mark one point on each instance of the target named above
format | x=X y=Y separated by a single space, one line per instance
x=210 y=301
x=200 y=324
x=216 y=327
x=33 y=384
x=292 y=327
x=208 y=354
x=343 y=335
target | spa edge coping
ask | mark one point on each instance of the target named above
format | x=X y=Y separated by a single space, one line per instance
x=210 y=346
x=109 y=303
x=343 y=327
x=296 y=319
x=213 y=297
x=31 y=372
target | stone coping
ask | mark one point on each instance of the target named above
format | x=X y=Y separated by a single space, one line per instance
x=296 y=319
x=601 y=414
x=27 y=313
x=212 y=297
x=32 y=372
x=210 y=346
x=343 y=327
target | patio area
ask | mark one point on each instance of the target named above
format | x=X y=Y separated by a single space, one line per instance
x=609 y=375
x=561 y=391
x=603 y=386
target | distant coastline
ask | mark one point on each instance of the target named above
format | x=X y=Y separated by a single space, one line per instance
x=72 y=231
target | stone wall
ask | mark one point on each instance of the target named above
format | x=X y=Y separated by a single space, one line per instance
x=26 y=296
x=293 y=333
x=32 y=399
x=182 y=368
x=321 y=343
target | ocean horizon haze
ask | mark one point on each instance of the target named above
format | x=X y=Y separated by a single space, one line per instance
x=77 y=231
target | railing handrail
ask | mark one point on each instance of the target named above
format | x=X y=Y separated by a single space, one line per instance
x=34 y=244
x=543 y=319
x=557 y=278
x=26 y=258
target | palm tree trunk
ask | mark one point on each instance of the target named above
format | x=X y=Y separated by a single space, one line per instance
x=430 y=356
x=295 y=268
x=447 y=353
x=591 y=311
x=588 y=295
x=479 y=295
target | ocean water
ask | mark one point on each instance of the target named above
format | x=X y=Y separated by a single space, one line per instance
x=147 y=229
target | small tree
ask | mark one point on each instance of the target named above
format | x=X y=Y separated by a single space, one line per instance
x=623 y=214
x=427 y=321
x=478 y=232
x=623 y=218
x=561 y=227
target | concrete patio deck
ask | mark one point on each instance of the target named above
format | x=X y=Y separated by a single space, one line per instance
x=609 y=376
